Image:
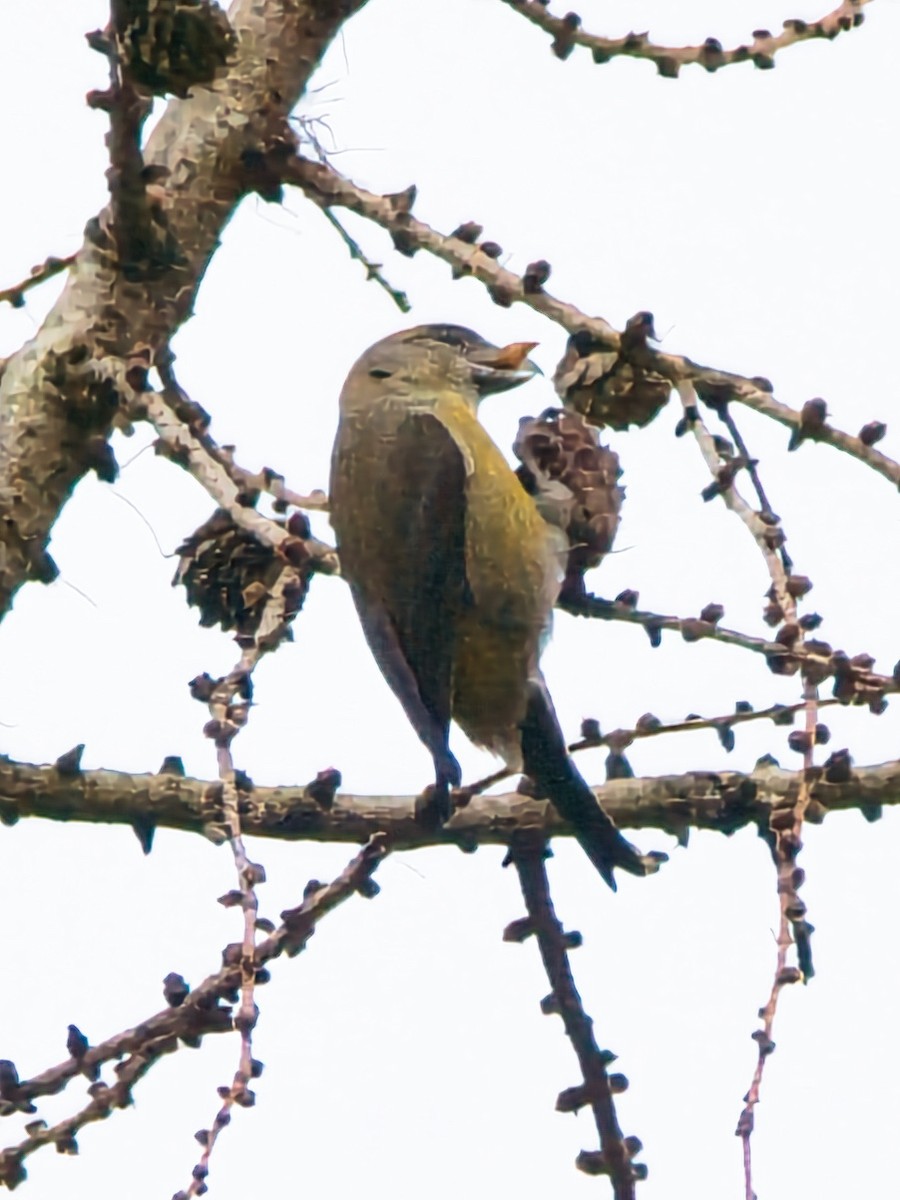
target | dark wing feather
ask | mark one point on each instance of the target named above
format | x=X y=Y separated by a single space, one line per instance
x=428 y=584
x=547 y=760
x=403 y=550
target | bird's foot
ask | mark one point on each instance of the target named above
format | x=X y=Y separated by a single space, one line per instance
x=434 y=806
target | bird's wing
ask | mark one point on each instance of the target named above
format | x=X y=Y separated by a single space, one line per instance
x=428 y=583
x=402 y=543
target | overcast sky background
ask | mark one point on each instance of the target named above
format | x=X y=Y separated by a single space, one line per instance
x=755 y=214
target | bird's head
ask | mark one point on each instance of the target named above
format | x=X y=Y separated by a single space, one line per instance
x=442 y=354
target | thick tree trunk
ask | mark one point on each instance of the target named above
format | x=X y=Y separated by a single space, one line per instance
x=59 y=393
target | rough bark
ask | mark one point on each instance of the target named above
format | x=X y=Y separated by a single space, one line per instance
x=716 y=800
x=59 y=393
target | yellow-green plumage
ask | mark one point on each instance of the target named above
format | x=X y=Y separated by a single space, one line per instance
x=513 y=569
x=453 y=570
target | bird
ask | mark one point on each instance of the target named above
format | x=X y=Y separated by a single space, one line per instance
x=453 y=570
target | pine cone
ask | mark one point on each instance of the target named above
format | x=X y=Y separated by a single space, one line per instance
x=606 y=388
x=574 y=482
x=228 y=574
x=172 y=45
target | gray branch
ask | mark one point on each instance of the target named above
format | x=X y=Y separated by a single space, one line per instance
x=716 y=800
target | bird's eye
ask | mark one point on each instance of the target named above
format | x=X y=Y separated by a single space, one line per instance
x=380 y=373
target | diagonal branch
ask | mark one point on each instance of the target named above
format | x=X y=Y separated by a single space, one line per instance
x=229 y=702
x=226 y=484
x=329 y=189
x=567 y=33
x=717 y=387
x=191 y=1014
x=15 y=294
x=598 y=1087
x=723 y=473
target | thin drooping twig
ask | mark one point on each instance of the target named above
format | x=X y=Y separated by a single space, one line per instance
x=567 y=33
x=15 y=295
x=723 y=801
x=785 y=825
x=614 y=1158
x=373 y=269
x=327 y=188
x=785 y=836
x=190 y=1015
x=725 y=416
x=229 y=701
x=229 y=705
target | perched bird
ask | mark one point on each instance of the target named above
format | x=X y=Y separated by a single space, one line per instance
x=452 y=568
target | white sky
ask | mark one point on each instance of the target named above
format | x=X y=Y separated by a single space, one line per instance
x=755 y=214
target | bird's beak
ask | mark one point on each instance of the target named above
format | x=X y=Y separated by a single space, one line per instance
x=496 y=370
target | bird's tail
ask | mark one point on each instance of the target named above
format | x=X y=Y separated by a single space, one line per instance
x=547 y=761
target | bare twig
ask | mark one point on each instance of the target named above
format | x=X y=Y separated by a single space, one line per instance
x=211 y=467
x=229 y=705
x=51 y=266
x=273 y=483
x=761 y=49
x=723 y=472
x=197 y=420
x=785 y=838
x=229 y=700
x=781 y=714
x=725 y=416
x=373 y=269
x=190 y=1016
x=104 y=1098
x=650 y=726
x=598 y=1087
x=854 y=677
x=785 y=825
x=692 y=629
x=751 y=393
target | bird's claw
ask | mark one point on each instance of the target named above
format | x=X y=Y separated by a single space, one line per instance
x=434 y=806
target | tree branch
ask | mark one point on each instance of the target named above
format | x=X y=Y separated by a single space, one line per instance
x=15 y=295
x=598 y=1087
x=57 y=408
x=225 y=482
x=329 y=189
x=567 y=34
x=724 y=801
x=190 y=1015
